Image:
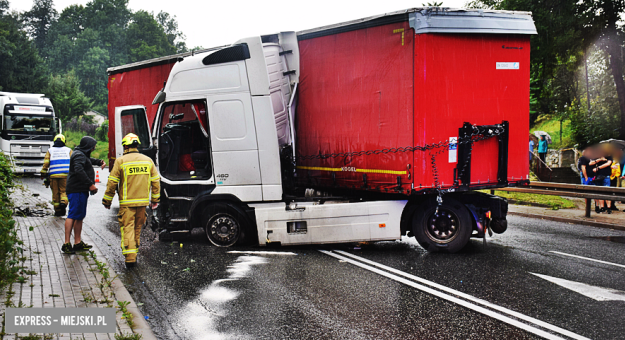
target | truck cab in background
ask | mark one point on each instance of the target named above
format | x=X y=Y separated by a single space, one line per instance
x=29 y=125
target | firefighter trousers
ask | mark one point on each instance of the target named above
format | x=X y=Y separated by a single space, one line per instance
x=59 y=197
x=131 y=219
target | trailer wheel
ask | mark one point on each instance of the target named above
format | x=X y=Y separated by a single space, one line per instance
x=446 y=229
x=223 y=224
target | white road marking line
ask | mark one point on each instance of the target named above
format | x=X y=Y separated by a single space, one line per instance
x=450 y=298
x=469 y=297
x=260 y=252
x=588 y=258
x=593 y=292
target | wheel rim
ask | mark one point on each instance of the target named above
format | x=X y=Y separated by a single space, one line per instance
x=442 y=226
x=223 y=230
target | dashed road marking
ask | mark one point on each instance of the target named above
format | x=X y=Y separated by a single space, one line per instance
x=588 y=258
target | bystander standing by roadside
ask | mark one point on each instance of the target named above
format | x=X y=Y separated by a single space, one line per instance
x=585 y=169
x=80 y=182
x=602 y=172
x=531 y=149
x=615 y=176
x=543 y=147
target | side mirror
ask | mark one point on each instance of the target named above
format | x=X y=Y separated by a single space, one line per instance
x=160 y=97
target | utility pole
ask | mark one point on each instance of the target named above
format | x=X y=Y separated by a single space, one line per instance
x=587 y=87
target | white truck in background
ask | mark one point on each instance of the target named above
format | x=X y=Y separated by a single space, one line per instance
x=29 y=124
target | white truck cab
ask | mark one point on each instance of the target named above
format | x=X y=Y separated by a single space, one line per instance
x=28 y=125
x=224 y=118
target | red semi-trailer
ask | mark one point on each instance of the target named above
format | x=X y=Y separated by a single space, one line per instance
x=394 y=119
x=387 y=86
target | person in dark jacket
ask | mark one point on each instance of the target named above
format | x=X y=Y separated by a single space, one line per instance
x=80 y=182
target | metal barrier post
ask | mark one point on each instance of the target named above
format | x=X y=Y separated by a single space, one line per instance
x=588 y=201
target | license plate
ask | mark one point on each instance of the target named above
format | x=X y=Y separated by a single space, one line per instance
x=29 y=170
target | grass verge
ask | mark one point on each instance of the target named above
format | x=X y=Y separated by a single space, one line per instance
x=550 y=201
x=551 y=125
x=72 y=139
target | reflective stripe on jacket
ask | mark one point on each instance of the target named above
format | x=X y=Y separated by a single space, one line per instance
x=56 y=162
x=133 y=176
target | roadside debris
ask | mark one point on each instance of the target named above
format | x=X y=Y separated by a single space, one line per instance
x=28 y=212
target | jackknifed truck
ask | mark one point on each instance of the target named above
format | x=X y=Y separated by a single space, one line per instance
x=367 y=130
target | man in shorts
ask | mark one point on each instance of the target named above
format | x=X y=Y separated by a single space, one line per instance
x=80 y=182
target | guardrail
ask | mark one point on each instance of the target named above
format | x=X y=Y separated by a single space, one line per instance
x=589 y=192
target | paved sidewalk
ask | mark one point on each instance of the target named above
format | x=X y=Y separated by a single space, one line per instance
x=54 y=279
x=616 y=220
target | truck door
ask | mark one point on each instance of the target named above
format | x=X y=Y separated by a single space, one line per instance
x=133 y=119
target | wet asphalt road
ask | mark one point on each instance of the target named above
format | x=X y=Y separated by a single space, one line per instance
x=197 y=291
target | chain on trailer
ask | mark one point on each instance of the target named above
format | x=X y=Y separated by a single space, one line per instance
x=478 y=133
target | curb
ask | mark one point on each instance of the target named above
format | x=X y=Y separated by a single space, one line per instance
x=592 y=223
x=121 y=294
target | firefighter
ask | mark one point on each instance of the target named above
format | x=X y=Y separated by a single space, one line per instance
x=54 y=171
x=132 y=176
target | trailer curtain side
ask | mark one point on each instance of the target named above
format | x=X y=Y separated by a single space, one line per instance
x=384 y=87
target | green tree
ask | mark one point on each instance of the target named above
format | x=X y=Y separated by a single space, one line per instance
x=92 y=72
x=38 y=21
x=146 y=38
x=170 y=26
x=4 y=7
x=603 y=17
x=554 y=50
x=68 y=100
x=21 y=67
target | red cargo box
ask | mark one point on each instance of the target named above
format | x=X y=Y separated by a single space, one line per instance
x=413 y=79
x=135 y=84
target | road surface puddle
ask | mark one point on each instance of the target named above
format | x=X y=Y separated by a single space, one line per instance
x=199 y=318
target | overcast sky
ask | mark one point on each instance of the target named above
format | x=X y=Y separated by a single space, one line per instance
x=216 y=23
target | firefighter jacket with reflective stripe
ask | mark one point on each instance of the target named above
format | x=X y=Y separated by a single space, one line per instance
x=133 y=175
x=56 y=162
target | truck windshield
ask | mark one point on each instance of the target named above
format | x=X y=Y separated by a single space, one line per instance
x=20 y=126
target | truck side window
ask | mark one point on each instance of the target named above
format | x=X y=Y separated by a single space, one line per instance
x=184 y=147
x=133 y=121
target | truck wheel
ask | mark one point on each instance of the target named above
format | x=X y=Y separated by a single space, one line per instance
x=223 y=224
x=447 y=229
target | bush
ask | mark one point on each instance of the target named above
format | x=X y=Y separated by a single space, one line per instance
x=81 y=125
x=10 y=244
x=102 y=132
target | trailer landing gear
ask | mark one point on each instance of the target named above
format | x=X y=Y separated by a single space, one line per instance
x=445 y=228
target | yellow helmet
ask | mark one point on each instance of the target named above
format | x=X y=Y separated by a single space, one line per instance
x=60 y=136
x=130 y=138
